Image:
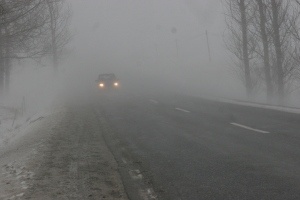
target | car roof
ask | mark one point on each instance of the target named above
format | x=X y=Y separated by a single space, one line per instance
x=107 y=76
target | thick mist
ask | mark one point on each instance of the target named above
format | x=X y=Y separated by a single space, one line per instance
x=153 y=45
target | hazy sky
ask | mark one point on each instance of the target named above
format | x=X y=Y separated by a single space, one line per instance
x=151 y=39
x=146 y=20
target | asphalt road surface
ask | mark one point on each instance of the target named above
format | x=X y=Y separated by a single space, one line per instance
x=181 y=147
x=139 y=146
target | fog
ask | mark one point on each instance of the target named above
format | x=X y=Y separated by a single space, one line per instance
x=137 y=41
x=150 y=45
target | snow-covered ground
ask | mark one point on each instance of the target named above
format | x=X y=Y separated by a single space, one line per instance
x=19 y=144
x=7 y=115
x=264 y=106
x=33 y=95
x=54 y=154
x=25 y=139
x=31 y=100
x=22 y=133
x=14 y=124
x=8 y=124
x=14 y=121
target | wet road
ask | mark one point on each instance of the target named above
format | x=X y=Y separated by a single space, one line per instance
x=182 y=147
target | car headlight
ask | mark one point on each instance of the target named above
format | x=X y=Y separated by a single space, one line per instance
x=101 y=85
x=116 y=84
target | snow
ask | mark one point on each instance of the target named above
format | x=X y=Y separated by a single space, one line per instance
x=8 y=124
x=264 y=106
x=19 y=143
x=38 y=102
x=14 y=124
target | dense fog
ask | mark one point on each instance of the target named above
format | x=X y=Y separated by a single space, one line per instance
x=150 y=46
x=137 y=40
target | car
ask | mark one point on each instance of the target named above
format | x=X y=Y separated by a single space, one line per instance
x=107 y=81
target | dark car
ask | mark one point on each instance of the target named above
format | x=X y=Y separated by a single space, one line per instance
x=107 y=81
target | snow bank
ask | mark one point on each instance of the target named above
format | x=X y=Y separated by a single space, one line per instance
x=264 y=106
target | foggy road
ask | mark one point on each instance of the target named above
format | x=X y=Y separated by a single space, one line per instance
x=181 y=147
x=148 y=100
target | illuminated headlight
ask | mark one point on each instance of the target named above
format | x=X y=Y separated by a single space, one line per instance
x=101 y=85
x=116 y=84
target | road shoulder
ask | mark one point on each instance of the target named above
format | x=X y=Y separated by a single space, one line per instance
x=61 y=156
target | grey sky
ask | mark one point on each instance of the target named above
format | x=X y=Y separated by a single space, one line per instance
x=135 y=36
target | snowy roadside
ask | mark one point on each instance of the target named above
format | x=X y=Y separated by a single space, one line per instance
x=13 y=124
x=7 y=123
x=228 y=100
x=293 y=108
x=19 y=144
x=54 y=156
x=263 y=106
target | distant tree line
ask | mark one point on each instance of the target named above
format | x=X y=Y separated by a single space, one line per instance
x=264 y=37
x=31 y=29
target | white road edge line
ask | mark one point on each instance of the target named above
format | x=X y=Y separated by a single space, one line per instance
x=153 y=101
x=249 y=128
x=183 y=110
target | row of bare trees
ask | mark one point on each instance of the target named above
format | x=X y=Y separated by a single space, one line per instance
x=31 y=29
x=264 y=37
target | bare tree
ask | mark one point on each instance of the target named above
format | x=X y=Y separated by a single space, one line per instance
x=2 y=67
x=25 y=27
x=7 y=60
x=266 y=33
x=295 y=24
x=275 y=6
x=244 y=26
x=284 y=16
x=262 y=7
x=21 y=26
x=240 y=43
x=59 y=16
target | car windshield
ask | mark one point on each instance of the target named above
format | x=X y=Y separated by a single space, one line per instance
x=107 y=77
x=150 y=99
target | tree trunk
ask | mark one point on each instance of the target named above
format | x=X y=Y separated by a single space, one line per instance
x=7 y=65
x=54 y=47
x=2 y=67
x=53 y=37
x=55 y=56
x=7 y=77
x=7 y=60
x=277 y=44
x=244 y=26
x=266 y=56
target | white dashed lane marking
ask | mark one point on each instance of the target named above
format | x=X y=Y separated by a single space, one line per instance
x=182 y=110
x=153 y=101
x=248 y=128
